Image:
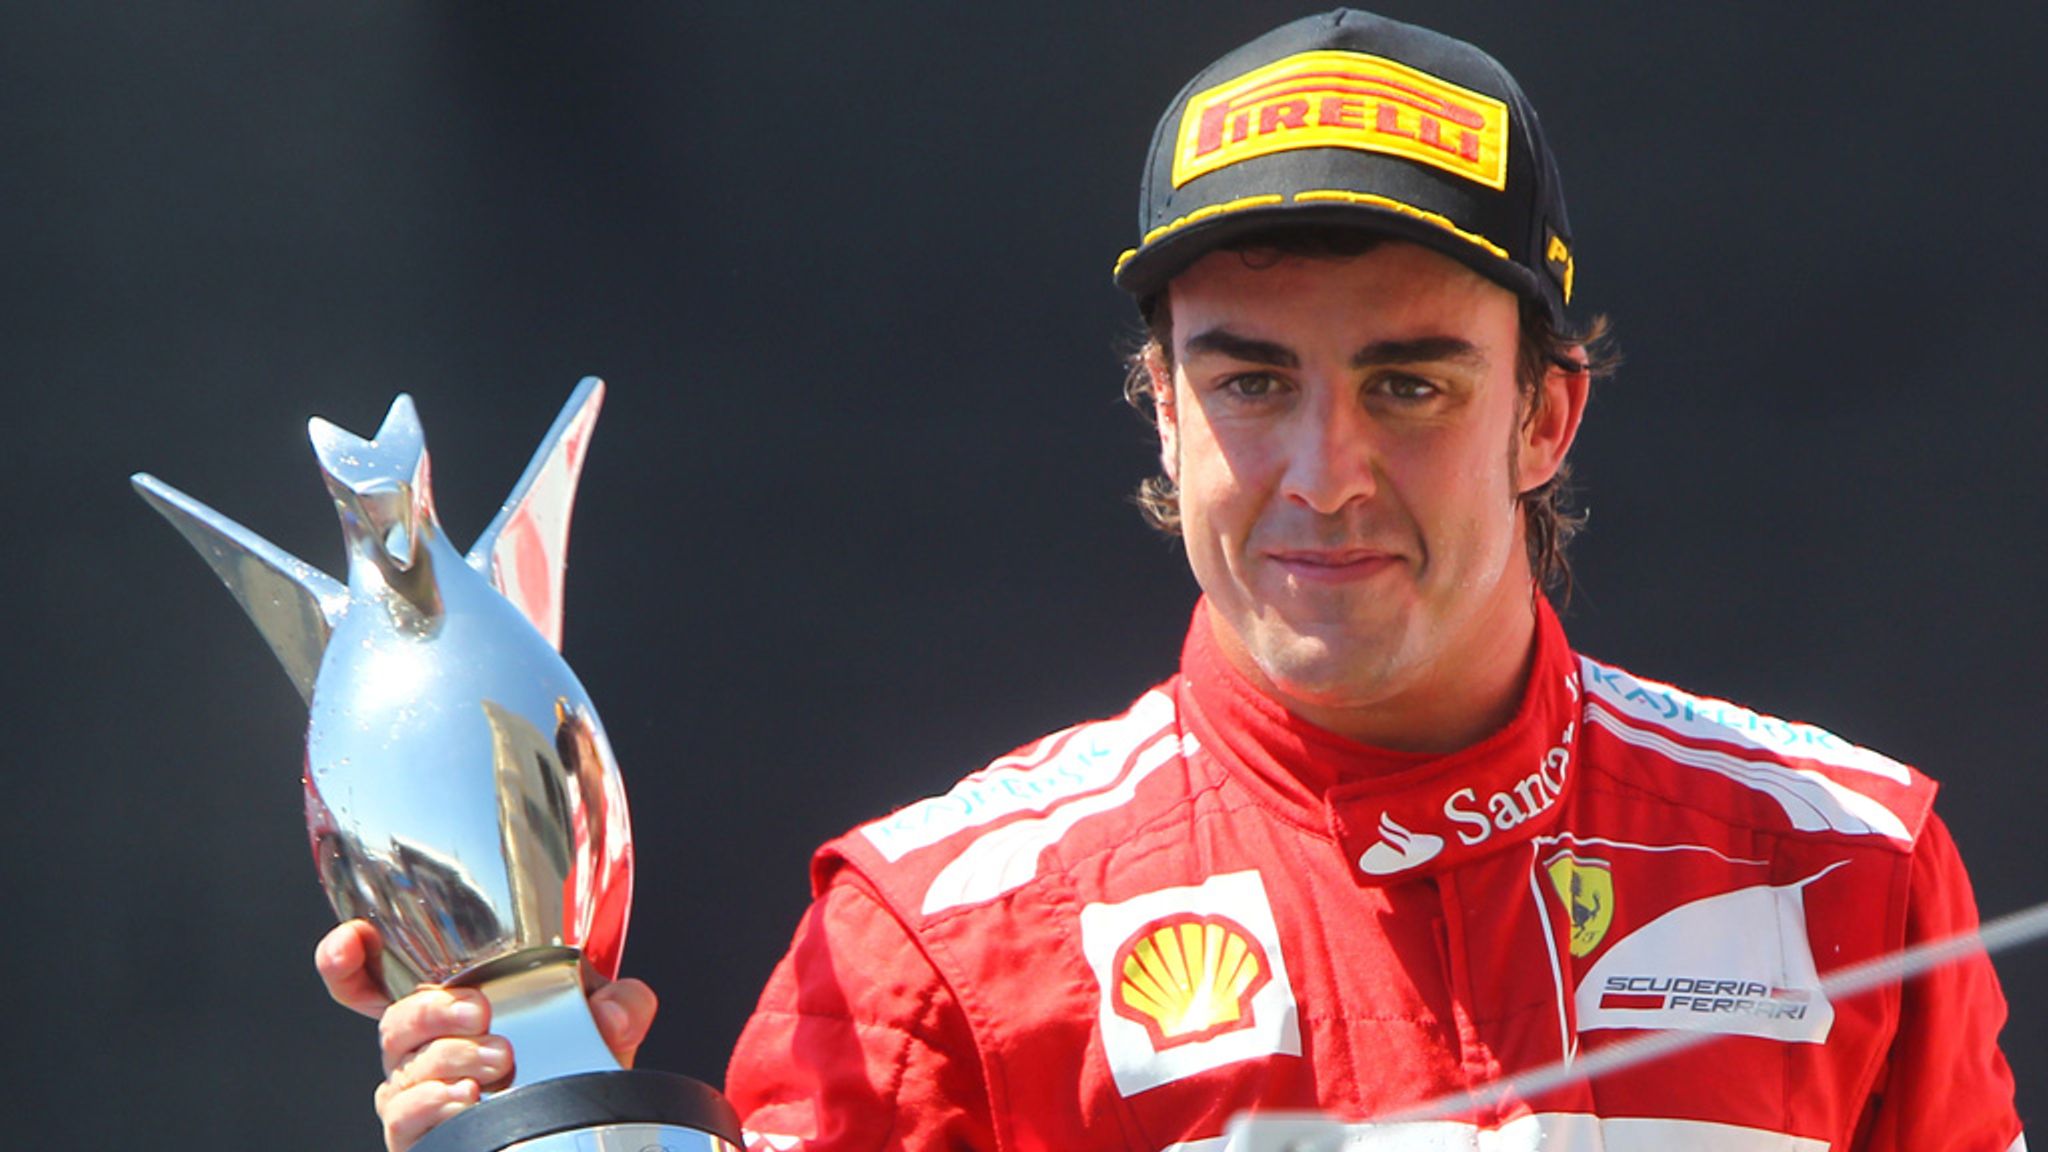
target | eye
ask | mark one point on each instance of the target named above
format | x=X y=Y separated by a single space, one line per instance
x=1252 y=385
x=1401 y=386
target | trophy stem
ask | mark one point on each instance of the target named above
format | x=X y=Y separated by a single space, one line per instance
x=537 y=1003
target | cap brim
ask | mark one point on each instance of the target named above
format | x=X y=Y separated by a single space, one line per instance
x=1151 y=267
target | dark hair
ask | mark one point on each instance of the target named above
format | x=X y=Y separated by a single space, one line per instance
x=1549 y=517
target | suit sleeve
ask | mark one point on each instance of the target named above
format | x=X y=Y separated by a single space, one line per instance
x=857 y=1043
x=1945 y=1086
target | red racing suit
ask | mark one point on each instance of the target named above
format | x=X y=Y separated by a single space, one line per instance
x=1205 y=924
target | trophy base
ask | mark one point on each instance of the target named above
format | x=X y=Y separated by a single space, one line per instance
x=595 y=1112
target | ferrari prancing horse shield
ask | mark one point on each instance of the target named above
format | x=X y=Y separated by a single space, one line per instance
x=1587 y=889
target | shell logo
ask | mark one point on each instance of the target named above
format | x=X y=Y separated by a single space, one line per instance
x=1188 y=978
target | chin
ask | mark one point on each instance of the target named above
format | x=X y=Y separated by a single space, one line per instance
x=1315 y=670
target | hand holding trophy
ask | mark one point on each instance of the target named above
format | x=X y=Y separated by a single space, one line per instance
x=460 y=793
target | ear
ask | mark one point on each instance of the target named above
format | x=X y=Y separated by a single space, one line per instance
x=1164 y=413
x=1552 y=421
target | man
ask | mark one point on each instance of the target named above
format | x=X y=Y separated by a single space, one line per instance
x=1385 y=838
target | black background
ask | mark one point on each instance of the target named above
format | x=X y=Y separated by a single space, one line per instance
x=855 y=519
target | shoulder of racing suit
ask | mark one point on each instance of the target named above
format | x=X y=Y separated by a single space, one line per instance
x=1745 y=767
x=995 y=831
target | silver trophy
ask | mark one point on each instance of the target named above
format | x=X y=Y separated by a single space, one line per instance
x=460 y=793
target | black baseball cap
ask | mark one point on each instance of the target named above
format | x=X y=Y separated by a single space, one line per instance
x=1352 y=119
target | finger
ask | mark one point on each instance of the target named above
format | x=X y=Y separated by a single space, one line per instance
x=426 y=1016
x=624 y=1011
x=486 y=1060
x=347 y=960
x=411 y=1113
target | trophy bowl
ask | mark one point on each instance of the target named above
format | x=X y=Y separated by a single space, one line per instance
x=460 y=794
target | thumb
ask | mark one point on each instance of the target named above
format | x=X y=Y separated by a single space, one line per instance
x=624 y=1011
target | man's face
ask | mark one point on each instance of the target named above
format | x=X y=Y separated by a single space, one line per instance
x=1349 y=449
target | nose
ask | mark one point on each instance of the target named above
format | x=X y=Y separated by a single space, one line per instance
x=1332 y=460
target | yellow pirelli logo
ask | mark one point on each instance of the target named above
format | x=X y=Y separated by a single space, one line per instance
x=1334 y=99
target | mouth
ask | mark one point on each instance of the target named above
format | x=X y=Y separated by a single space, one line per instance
x=1331 y=565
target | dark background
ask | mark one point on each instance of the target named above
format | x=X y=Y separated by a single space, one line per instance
x=855 y=519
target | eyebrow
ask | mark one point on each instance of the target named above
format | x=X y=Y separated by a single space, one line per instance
x=1224 y=342
x=1421 y=350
